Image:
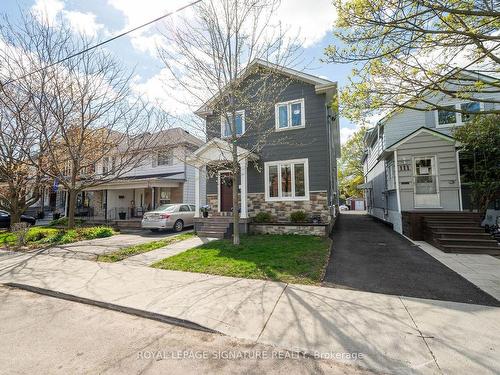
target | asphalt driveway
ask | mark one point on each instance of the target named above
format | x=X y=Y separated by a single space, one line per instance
x=368 y=255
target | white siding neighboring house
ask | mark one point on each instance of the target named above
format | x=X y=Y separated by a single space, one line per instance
x=163 y=177
x=411 y=161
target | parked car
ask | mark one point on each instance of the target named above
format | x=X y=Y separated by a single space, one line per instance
x=169 y=216
x=5 y=219
x=343 y=208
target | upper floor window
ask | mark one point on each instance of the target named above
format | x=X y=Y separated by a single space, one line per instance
x=165 y=157
x=448 y=117
x=225 y=128
x=290 y=115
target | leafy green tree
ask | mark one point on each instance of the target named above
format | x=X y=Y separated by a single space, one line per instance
x=404 y=50
x=351 y=166
x=480 y=139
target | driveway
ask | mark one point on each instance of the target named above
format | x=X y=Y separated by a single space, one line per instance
x=368 y=255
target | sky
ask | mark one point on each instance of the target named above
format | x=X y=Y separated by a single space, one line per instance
x=101 y=19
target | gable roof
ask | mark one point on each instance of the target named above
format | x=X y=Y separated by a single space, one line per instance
x=417 y=132
x=322 y=85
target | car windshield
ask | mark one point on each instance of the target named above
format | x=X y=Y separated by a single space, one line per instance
x=166 y=207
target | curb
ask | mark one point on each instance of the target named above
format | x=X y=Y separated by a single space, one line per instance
x=110 y=306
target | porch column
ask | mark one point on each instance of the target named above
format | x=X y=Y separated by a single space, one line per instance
x=243 y=188
x=197 y=192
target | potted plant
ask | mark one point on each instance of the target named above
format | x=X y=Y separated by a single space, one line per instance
x=122 y=215
x=56 y=215
x=204 y=210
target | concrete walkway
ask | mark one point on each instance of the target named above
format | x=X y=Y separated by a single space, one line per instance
x=90 y=249
x=147 y=259
x=481 y=270
x=386 y=333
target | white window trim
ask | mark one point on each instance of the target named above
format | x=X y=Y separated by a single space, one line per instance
x=289 y=106
x=278 y=164
x=457 y=114
x=243 y=125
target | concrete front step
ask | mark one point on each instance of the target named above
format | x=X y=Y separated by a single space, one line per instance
x=211 y=234
x=464 y=235
x=458 y=223
x=456 y=228
x=463 y=249
x=468 y=242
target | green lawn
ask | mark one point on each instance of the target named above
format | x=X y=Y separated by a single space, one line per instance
x=287 y=258
x=40 y=236
x=142 y=248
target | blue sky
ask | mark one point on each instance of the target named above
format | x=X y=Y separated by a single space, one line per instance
x=104 y=18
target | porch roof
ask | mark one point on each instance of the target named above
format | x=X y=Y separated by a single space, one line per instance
x=139 y=183
x=217 y=150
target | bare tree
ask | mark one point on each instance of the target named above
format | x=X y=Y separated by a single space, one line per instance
x=92 y=129
x=211 y=54
x=19 y=182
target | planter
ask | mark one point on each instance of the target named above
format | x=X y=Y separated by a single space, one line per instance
x=122 y=215
x=40 y=215
x=56 y=216
x=205 y=214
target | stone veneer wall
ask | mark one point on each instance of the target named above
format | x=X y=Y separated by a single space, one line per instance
x=314 y=230
x=317 y=205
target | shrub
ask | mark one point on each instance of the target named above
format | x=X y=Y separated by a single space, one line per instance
x=263 y=217
x=96 y=232
x=298 y=217
x=38 y=234
x=63 y=222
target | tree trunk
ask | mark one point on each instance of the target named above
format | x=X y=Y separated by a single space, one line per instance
x=15 y=216
x=71 y=209
x=236 y=214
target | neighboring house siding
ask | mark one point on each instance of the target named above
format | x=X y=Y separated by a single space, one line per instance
x=311 y=142
x=428 y=145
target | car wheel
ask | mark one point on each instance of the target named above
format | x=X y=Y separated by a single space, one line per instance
x=179 y=226
x=154 y=230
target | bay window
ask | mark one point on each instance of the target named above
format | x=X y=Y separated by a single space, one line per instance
x=290 y=115
x=287 y=180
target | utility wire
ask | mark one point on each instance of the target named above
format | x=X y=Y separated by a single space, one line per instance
x=104 y=42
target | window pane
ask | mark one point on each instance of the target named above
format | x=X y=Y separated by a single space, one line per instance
x=286 y=180
x=297 y=114
x=164 y=158
x=283 y=116
x=425 y=185
x=469 y=107
x=447 y=117
x=273 y=181
x=239 y=124
x=300 y=187
x=226 y=129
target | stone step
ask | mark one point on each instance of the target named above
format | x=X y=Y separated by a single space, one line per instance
x=465 y=235
x=455 y=228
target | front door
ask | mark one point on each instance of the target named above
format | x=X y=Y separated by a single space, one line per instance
x=226 y=192
x=426 y=190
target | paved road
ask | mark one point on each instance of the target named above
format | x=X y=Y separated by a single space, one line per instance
x=43 y=335
x=368 y=255
x=393 y=334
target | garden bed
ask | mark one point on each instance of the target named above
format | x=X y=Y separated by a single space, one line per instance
x=315 y=229
x=44 y=236
x=287 y=258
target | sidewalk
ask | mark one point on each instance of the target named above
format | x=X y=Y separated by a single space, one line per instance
x=147 y=259
x=481 y=270
x=392 y=333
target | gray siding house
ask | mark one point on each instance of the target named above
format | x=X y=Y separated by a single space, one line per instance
x=288 y=163
x=413 y=163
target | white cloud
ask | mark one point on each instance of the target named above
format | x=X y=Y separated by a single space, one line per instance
x=310 y=20
x=51 y=10
x=345 y=133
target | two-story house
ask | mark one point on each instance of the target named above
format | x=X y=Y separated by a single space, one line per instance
x=412 y=163
x=294 y=168
x=162 y=176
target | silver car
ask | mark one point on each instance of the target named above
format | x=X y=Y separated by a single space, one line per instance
x=169 y=216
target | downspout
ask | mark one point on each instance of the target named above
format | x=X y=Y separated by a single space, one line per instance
x=396 y=172
x=460 y=204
